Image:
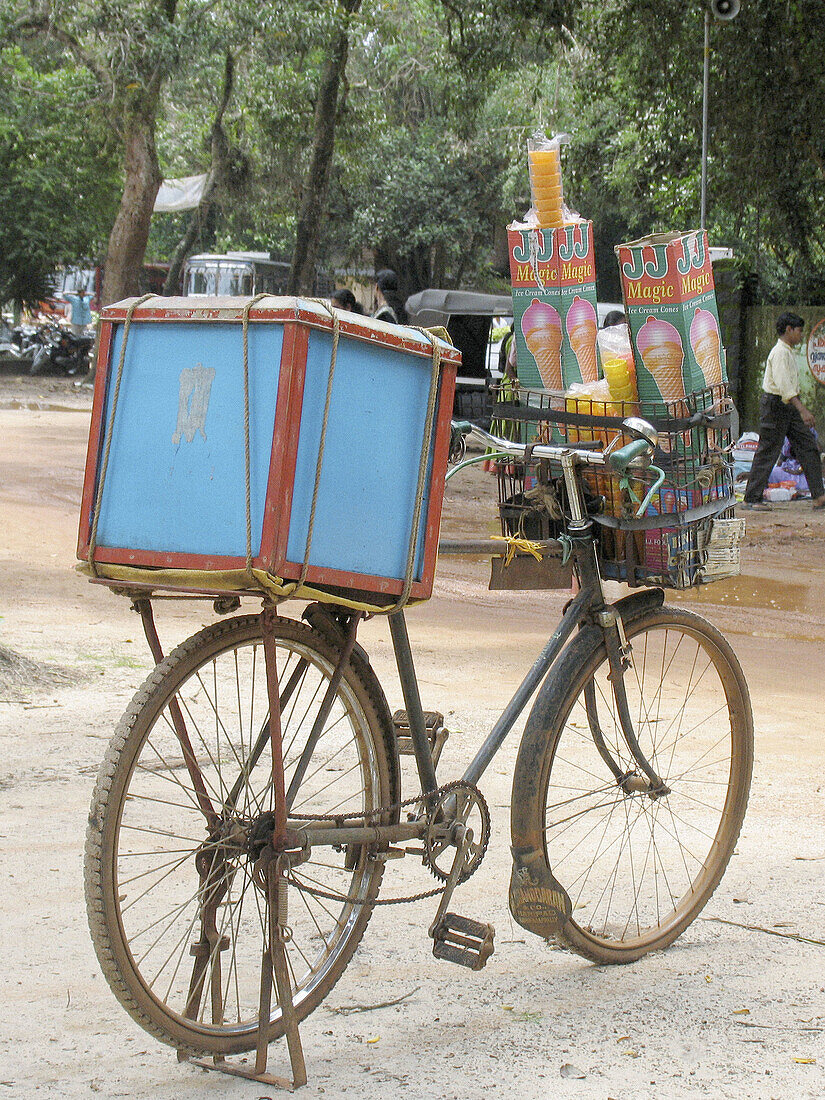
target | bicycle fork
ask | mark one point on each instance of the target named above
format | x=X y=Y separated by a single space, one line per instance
x=620 y=657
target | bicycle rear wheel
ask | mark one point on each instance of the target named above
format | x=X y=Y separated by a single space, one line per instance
x=177 y=916
x=638 y=866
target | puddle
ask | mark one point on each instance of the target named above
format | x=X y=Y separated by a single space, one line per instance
x=40 y=406
x=763 y=593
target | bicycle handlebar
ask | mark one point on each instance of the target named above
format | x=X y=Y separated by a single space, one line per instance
x=536 y=450
x=638 y=451
x=618 y=460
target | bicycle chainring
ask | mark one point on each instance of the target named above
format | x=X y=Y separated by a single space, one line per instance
x=469 y=807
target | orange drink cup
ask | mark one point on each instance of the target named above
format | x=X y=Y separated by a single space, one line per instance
x=544 y=165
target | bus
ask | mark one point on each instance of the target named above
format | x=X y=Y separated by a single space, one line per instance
x=234 y=274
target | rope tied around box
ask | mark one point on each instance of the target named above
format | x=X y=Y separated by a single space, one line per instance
x=109 y=430
x=429 y=423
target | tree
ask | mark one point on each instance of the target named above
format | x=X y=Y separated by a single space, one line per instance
x=638 y=148
x=131 y=50
x=316 y=180
x=58 y=179
x=226 y=170
x=431 y=180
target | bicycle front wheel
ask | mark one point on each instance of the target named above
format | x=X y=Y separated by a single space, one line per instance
x=177 y=914
x=639 y=865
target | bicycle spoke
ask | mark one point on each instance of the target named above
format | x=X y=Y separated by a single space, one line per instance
x=187 y=892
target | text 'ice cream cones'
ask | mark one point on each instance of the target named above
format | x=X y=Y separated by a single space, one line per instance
x=544 y=165
x=541 y=327
x=581 y=331
x=660 y=347
x=707 y=346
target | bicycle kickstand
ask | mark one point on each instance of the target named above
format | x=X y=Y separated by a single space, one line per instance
x=273 y=868
x=455 y=938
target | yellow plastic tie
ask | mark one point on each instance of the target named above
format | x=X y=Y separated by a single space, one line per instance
x=517 y=545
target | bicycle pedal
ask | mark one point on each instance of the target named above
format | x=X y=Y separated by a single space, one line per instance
x=436 y=734
x=463 y=940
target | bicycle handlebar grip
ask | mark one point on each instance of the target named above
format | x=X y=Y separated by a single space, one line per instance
x=463 y=426
x=621 y=459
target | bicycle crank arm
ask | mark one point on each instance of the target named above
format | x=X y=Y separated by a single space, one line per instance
x=455 y=938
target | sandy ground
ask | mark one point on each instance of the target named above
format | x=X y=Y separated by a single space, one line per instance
x=728 y=1011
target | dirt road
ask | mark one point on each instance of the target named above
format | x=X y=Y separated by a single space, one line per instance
x=735 y=1009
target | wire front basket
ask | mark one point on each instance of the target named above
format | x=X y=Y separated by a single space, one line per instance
x=687 y=534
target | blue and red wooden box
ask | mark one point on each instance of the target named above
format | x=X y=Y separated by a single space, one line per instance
x=174 y=492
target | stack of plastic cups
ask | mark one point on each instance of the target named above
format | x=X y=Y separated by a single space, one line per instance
x=545 y=181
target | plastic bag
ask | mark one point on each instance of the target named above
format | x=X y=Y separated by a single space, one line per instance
x=617 y=362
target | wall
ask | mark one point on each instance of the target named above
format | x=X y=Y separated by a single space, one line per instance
x=759 y=336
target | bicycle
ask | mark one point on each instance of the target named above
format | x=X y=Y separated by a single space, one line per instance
x=251 y=795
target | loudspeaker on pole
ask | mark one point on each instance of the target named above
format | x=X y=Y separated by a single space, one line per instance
x=724 y=9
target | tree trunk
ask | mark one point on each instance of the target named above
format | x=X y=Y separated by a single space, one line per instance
x=130 y=232
x=206 y=211
x=316 y=184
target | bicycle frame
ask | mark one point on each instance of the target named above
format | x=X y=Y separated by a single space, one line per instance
x=588 y=605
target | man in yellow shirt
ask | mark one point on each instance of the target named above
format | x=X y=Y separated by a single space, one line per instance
x=781 y=414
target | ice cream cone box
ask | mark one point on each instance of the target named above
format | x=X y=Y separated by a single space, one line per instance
x=670 y=302
x=331 y=447
x=553 y=277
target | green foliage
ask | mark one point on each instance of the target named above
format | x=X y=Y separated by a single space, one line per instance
x=58 y=182
x=639 y=96
x=430 y=202
x=439 y=98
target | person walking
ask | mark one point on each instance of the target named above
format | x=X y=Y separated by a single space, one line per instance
x=781 y=414
x=80 y=313
x=390 y=303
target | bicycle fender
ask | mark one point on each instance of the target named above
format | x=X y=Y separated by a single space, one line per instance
x=538 y=902
x=637 y=603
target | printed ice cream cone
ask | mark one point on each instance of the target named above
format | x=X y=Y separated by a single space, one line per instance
x=581 y=331
x=707 y=345
x=541 y=327
x=660 y=347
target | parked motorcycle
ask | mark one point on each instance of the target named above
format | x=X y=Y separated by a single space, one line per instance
x=59 y=351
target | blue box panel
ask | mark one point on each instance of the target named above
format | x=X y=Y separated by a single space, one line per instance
x=373 y=445
x=176 y=473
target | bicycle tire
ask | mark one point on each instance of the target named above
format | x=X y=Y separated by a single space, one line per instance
x=143 y=891
x=624 y=905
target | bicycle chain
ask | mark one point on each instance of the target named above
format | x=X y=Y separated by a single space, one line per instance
x=380 y=810
x=446 y=788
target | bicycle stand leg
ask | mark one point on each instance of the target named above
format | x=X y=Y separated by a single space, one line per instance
x=272 y=867
x=278 y=936
x=273 y=965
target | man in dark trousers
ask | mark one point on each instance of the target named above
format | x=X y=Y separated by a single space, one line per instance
x=781 y=414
